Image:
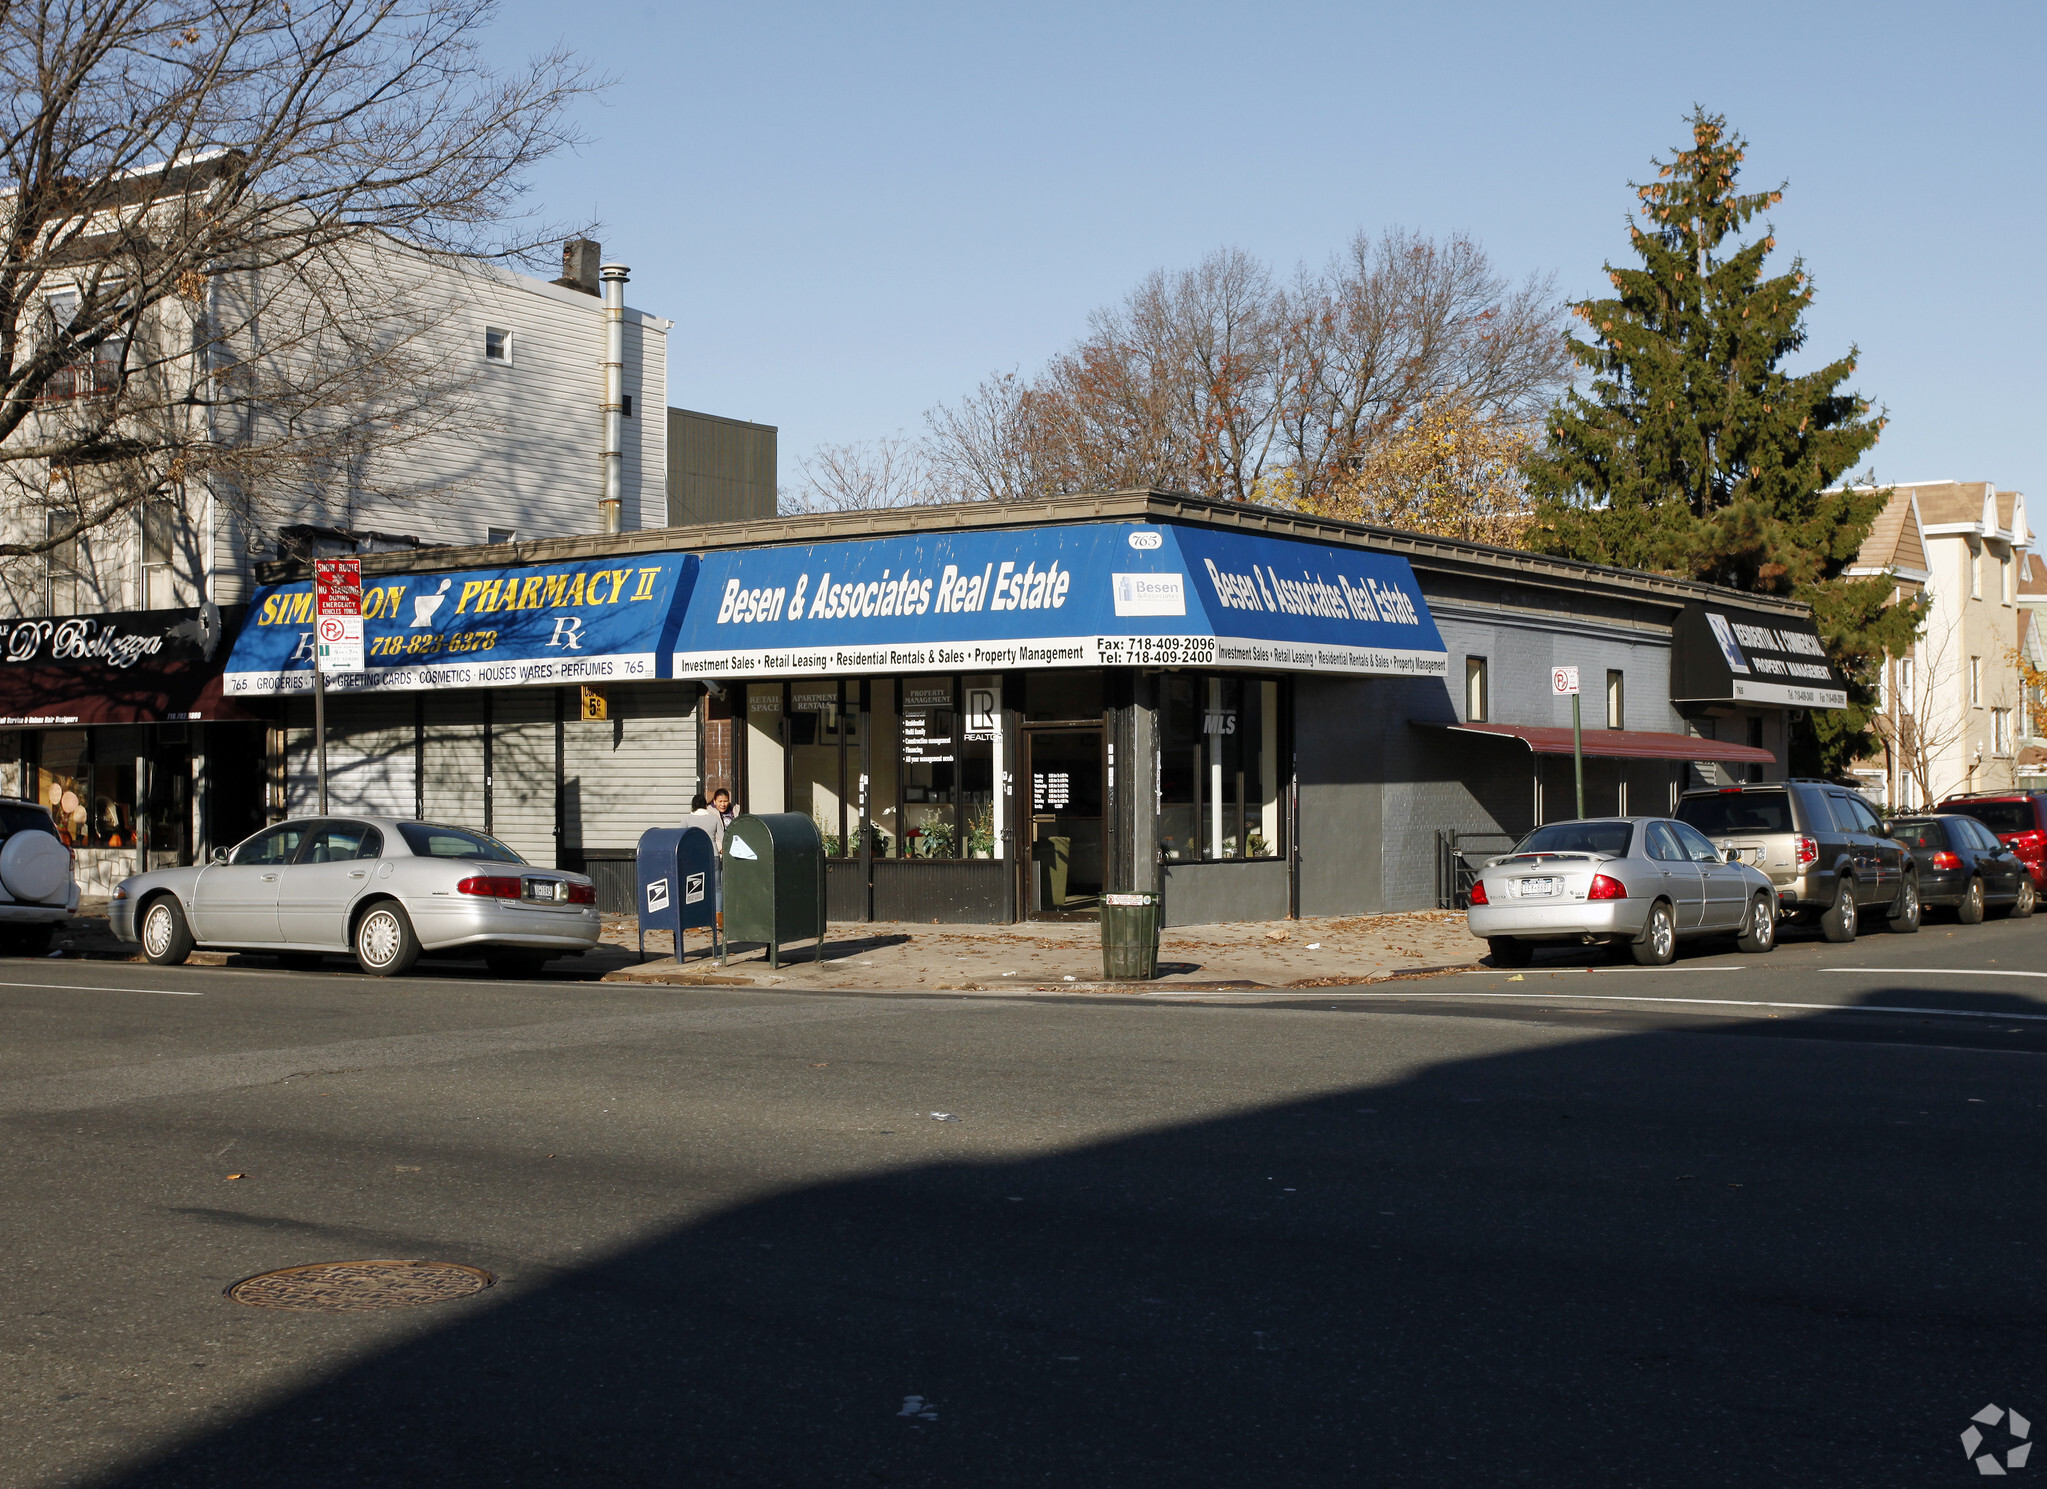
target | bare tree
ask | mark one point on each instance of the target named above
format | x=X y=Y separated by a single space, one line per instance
x=861 y=476
x=208 y=208
x=1217 y=380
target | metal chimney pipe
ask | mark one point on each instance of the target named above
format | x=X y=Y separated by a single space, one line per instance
x=611 y=502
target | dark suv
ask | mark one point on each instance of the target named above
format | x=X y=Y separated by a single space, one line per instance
x=2019 y=818
x=1822 y=846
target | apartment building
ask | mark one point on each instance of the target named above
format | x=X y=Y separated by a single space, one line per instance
x=491 y=420
x=1953 y=708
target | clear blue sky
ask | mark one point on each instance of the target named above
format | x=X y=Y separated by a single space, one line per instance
x=853 y=212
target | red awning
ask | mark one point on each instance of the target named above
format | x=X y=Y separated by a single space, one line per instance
x=1618 y=744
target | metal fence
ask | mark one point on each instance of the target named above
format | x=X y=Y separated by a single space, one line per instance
x=1455 y=873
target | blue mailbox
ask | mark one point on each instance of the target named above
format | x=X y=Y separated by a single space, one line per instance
x=678 y=871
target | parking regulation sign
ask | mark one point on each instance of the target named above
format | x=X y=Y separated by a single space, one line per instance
x=1563 y=680
x=341 y=646
x=337 y=586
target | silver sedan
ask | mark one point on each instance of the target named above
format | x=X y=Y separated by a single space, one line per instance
x=1642 y=882
x=378 y=887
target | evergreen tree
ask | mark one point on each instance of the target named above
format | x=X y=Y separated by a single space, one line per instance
x=1692 y=452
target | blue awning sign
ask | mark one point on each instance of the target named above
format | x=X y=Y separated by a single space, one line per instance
x=594 y=620
x=1100 y=594
x=1080 y=595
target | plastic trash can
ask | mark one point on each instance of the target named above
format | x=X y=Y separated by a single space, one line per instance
x=1130 y=937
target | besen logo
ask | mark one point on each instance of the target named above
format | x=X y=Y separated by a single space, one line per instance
x=1986 y=1463
x=657 y=895
x=1150 y=594
x=1145 y=542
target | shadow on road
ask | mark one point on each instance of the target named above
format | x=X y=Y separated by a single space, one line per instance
x=1661 y=1258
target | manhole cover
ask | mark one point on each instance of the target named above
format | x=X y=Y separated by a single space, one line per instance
x=350 y=1287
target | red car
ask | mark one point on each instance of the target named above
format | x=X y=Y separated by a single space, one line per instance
x=2019 y=818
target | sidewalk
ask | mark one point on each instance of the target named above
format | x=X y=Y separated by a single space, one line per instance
x=1056 y=956
x=1061 y=956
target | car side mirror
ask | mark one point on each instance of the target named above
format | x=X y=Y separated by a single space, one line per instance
x=1731 y=855
x=220 y=855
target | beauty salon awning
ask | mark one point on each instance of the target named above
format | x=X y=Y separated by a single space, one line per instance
x=1097 y=594
x=126 y=667
x=586 y=621
x=1616 y=744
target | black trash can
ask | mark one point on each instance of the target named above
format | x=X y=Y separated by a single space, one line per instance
x=1130 y=937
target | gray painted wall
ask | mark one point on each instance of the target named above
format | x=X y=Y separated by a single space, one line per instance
x=1216 y=893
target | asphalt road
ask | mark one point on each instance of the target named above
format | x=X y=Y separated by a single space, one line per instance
x=1747 y=1221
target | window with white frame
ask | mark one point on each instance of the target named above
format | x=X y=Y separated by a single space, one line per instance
x=159 y=554
x=1476 y=692
x=1975 y=561
x=2000 y=731
x=1975 y=682
x=1616 y=700
x=1904 y=685
x=2004 y=579
x=497 y=345
x=65 y=584
x=501 y=535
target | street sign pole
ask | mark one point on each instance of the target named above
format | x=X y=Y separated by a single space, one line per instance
x=1564 y=680
x=337 y=627
x=1577 y=754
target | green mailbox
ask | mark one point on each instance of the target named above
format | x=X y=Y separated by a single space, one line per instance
x=773 y=883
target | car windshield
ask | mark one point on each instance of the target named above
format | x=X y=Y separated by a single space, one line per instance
x=429 y=840
x=1920 y=833
x=1998 y=816
x=1579 y=837
x=1736 y=811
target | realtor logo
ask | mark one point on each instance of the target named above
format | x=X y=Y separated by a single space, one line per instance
x=692 y=889
x=657 y=895
x=1150 y=594
x=1729 y=647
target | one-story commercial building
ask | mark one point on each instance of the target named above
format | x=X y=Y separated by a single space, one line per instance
x=998 y=712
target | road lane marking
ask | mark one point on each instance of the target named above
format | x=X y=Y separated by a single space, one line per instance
x=1557 y=971
x=1933 y=972
x=1312 y=994
x=79 y=987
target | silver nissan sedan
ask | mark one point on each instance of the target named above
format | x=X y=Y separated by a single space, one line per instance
x=380 y=888
x=1641 y=882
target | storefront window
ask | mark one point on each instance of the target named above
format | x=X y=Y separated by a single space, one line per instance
x=1219 y=768
x=89 y=791
x=819 y=729
x=929 y=768
x=981 y=719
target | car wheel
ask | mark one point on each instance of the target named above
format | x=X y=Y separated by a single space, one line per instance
x=1970 y=911
x=2024 y=903
x=1507 y=952
x=384 y=942
x=1759 y=931
x=514 y=963
x=1657 y=944
x=1905 y=919
x=166 y=938
x=1838 y=924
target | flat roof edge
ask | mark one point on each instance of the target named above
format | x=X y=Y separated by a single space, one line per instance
x=1137 y=505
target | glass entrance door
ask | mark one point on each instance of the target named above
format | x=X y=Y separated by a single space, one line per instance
x=1064 y=862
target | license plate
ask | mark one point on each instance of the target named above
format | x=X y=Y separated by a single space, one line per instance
x=1532 y=889
x=547 y=891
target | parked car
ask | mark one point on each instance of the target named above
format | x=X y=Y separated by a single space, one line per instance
x=1829 y=857
x=379 y=887
x=1962 y=865
x=37 y=892
x=1641 y=882
x=2019 y=818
